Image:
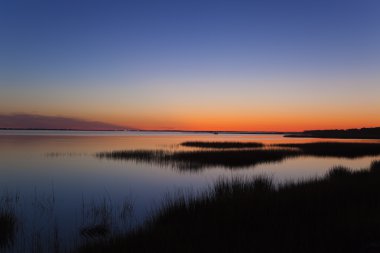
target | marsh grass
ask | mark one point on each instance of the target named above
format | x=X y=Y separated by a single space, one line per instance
x=8 y=219
x=221 y=145
x=335 y=149
x=64 y=154
x=30 y=223
x=195 y=160
x=101 y=219
x=337 y=213
x=228 y=155
x=8 y=226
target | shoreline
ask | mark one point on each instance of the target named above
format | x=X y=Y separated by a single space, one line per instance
x=332 y=137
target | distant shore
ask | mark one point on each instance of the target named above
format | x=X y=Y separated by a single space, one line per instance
x=362 y=133
x=331 y=137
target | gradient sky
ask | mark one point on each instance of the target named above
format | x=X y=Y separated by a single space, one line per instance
x=201 y=65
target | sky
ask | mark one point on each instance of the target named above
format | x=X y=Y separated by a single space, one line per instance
x=258 y=65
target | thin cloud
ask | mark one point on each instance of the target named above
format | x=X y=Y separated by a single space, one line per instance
x=31 y=121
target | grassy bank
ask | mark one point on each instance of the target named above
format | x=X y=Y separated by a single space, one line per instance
x=338 y=213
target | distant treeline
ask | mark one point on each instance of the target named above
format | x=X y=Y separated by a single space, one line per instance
x=362 y=133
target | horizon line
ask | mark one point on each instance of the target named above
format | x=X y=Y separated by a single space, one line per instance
x=178 y=130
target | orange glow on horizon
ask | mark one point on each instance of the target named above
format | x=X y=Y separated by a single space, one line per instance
x=270 y=106
x=234 y=123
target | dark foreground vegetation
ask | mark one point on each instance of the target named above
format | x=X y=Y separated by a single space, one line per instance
x=338 y=213
x=362 y=133
x=7 y=228
x=221 y=145
x=244 y=157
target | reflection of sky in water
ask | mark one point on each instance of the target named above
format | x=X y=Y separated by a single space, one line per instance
x=81 y=178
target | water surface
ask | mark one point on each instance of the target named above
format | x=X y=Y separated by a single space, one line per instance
x=54 y=177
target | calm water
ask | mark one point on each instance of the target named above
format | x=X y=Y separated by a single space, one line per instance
x=53 y=181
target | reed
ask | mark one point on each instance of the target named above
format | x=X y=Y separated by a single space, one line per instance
x=8 y=225
x=199 y=159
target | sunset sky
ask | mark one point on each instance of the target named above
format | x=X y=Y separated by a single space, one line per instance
x=271 y=65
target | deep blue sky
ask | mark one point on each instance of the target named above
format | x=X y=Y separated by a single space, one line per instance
x=62 y=48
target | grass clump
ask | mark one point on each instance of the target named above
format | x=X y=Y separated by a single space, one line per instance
x=375 y=166
x=222 y=145
x=338 y=172
x=7 y=228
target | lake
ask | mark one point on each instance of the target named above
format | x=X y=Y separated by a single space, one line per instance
x=56 y=185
